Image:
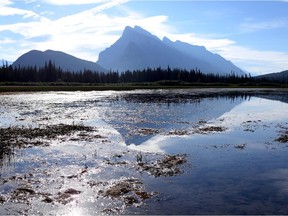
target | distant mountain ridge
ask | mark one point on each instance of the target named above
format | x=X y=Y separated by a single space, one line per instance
x=63 y=60
x=279 y=76
x=138 y=49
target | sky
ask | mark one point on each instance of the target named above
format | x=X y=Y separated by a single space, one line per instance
x=252 y=34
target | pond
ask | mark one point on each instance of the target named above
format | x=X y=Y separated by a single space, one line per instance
x=194 y=151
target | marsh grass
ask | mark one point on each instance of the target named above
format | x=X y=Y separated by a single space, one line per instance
x=49 y=132
x=21 y=137
x=75 y=87
x=168 y=166
x=66 y=86
x=283 y=138
x=210 y=129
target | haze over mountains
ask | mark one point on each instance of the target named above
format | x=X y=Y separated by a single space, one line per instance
x=137 y=49
x=279 y=76
x=63 y=60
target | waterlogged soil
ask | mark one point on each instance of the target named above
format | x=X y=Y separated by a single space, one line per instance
x=48 y=183
x=205 y=151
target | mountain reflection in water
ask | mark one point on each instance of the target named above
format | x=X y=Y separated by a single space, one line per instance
x=235 y=165
x=140 y=116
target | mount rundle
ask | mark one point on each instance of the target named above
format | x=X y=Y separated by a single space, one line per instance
x=138 y=49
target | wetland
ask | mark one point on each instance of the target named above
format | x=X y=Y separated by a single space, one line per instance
x=173 y=151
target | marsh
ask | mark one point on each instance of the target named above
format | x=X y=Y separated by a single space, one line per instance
x=194 y=151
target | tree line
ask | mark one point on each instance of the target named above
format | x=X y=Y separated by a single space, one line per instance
x=50 y=73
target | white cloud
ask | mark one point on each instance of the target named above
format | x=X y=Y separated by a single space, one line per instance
x=202 y=40
x=251 y=60
x=257 y=26
x=84 y=34
x=29 y=1
x=74 y=2
x=48 y=13
x=7 y=41
x=256 y=61
x=89 y=13
x=253 y=110
x=6 y=10
x=87 y=33
x=5 y=2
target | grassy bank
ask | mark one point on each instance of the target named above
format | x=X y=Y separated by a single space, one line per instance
x=36 y=87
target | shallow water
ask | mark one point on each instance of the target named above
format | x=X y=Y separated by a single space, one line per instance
x=238 y=170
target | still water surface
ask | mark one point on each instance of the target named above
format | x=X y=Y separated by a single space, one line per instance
x=239 y=170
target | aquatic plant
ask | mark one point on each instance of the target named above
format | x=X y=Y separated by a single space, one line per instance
x=139 y=157
x=240 y=146
x=168 y=166
x=22 y=137
x=211 y=129
x=283 y=138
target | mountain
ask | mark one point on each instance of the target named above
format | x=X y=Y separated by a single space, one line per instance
x=63 y=60
x=139 y=49
x=202 y=54
x=279 y=76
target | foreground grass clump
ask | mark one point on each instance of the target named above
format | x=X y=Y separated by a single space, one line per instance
x=48 y=132
x=283 y=138
x=22 y=137
x=168 y=166
x=210 y=129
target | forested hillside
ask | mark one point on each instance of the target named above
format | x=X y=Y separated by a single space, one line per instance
x=50 y=73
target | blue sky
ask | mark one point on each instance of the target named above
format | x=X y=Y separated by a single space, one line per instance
x=252 y=34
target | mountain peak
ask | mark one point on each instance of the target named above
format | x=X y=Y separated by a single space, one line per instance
x=34 y=51
x=166 y=40
x=138 y=49
x=49 y=51
x=137 y=31
x=127 y=29
x=141 y=31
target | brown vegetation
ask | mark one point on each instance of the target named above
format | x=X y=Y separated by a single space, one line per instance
x=209 y=129
x=283 y=138
x=22 y=137
x=168 y=166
